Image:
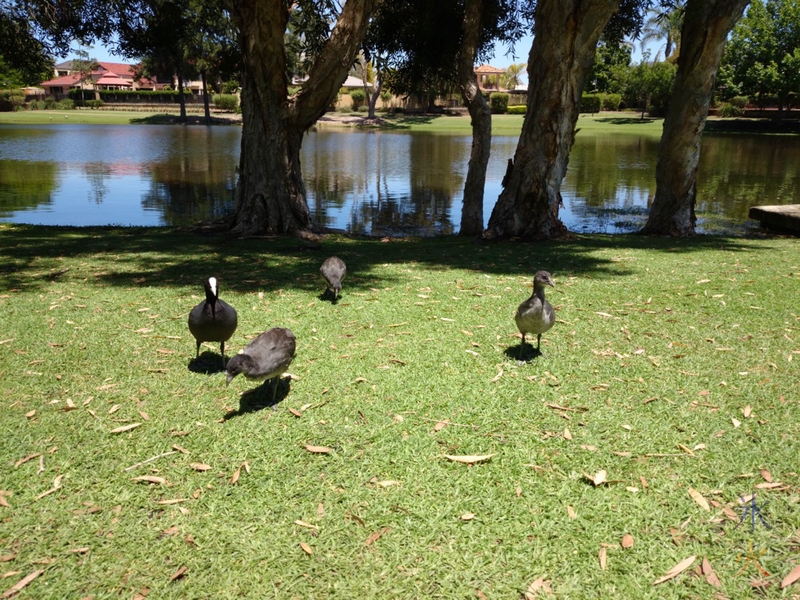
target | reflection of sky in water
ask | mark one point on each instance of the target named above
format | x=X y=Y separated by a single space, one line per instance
x=379 y=182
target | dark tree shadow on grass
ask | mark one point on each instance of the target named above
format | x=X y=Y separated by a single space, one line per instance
x=171 y=258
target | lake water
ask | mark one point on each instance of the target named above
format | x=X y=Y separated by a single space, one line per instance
x=383 y=183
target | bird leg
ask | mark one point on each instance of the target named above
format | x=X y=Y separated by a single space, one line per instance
x=538 y=343
x=222 y=351
x=197 y=352
x=275 y=387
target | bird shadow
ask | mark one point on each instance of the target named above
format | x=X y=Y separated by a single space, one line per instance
x=208 y=363
x=260 y=397
x=522 y=354
x=328 y=295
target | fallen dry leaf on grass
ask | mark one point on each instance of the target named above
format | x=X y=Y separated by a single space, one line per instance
x=676 y=570
x=698 y=497
x=711 y=576
x=17 y=587
x=376 y=535
x=791 y=577
x=200 y=466
x=318 y=449
x=598 y=478
x=602 y=558
x=539 y=585
x=125 y=428
x=3 y=501
x=387 y=483
x=441 y=425
x=567 y=434
x=627 y=541
x=469 y=459
x=467 y=516
x=304 y=524
x=56 y=485
x=150 y=479
x=306 y=548
x=179 y=573
x=22 y=461
x=571 y=513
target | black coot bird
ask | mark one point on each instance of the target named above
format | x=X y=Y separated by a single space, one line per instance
x=536 y=314
x=266 y=357
x=333 y=271
x=213 y=320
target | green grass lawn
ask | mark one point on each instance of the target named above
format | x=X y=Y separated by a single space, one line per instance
x=501 y=124
x=672 y=367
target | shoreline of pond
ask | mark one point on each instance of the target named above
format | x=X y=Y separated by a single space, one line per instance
x=611 y=122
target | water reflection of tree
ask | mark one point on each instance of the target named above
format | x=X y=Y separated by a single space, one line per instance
x=195 y=182
x=96 y=173
x=393 y=183
x=26 y=185
x=737 y=172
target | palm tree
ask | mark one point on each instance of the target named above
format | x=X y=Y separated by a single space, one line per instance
x=513 y=75
x=665 y=24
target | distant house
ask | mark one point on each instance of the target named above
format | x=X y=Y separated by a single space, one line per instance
x=107 y=76
x=489 y=77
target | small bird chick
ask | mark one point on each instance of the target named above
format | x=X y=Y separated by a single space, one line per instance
x=333 y=271
x=266 y=357
x=536 y=314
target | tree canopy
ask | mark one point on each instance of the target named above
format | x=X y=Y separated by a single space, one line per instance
x=762 y=59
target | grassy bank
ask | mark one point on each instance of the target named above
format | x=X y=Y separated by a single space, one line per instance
x=672 y=368
x=501 y=124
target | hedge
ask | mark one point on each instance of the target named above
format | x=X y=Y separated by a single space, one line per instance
x=517 y=109
x=590 y=103
x=498 y=102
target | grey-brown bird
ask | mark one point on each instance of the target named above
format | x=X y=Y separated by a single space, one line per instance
x=536 y=314
x=213 y=320
x=333 y=271
x=266 y=357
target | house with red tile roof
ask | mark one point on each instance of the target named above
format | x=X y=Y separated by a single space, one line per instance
x=489 y=77
x=107 y=76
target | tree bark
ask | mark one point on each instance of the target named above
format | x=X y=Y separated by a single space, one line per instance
x=705 y=30
x=564 y=43
x=206 y=106
x=270 y=195
x=181 y=98
x=481 y=115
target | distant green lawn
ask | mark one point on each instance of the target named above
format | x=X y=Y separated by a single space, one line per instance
x=501 y=124
x=672 y=368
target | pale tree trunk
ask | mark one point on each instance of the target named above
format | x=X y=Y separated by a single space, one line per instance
x=564 y=43
x=181 y=98
x=705 y=29
x=270 y=195
x=206 y=107
x=481 y=115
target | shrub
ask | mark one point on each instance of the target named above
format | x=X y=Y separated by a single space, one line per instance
x=66 y=104
x=36 y=105
x=50 y=103
x=517 y=109
x=739 y=101
x=230 y=87
x=612 y=101
x=590 y=103
x=729 y=110
x=95 y=103
x=345 y=109
x=363 y=108
x=358 y=96
x=498 y=102
x=227 y=102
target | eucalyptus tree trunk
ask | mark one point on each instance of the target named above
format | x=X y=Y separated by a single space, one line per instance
x=481 y=115
x=206 y=106
x=564 y=43
x=706 y=26
x=181 y=98
x=270 y=195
